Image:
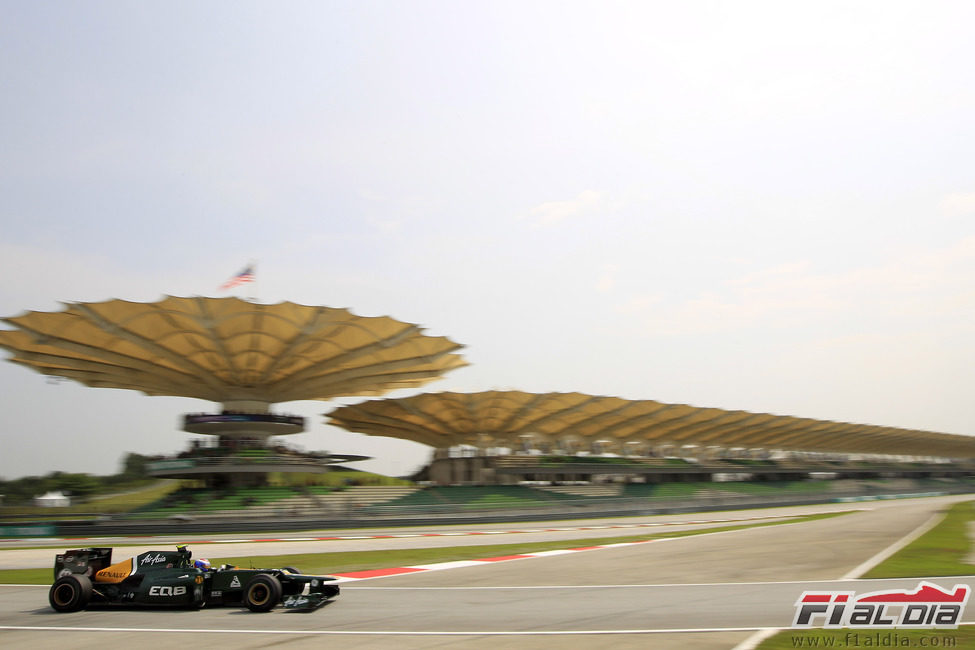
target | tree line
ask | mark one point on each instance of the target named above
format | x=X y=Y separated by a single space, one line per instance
x=76 y=485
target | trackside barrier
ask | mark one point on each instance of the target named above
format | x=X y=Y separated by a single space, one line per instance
x=878 y=497
x=392 y=516
x=28 y=530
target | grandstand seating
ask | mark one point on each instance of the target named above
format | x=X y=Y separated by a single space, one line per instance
x=522 y=461
x=270 y=501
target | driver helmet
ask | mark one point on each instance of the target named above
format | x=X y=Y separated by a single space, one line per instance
x=203 y=564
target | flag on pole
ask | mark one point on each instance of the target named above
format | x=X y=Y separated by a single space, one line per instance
x=247 y=275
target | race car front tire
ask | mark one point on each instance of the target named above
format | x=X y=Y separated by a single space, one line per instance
x=70 y=593
x=262 y=593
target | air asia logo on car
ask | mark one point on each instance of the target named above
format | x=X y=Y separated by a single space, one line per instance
x=153 y=559
x=928 y=606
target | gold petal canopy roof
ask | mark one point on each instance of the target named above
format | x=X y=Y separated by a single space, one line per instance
x=228 y=349
x=446 y=419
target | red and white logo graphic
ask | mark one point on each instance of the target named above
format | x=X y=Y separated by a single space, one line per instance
x=926 y=607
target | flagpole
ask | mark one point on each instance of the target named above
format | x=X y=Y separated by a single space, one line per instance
x=253 y=266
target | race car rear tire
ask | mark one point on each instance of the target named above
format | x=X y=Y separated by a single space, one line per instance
x=70 y=593
x=262 y=593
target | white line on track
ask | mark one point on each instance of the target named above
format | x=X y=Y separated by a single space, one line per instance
x=896 y=546
x=561 y=551
x=685 y=630
x=441 y=566
x=669 y=584
x=39 y=628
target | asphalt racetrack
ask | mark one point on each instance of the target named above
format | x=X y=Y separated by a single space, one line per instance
x=706 y=591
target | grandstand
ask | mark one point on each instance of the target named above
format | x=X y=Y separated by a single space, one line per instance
x=244 y=356
x=499 y=449
x=513 y=437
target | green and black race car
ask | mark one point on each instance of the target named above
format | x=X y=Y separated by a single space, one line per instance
x=87 y=576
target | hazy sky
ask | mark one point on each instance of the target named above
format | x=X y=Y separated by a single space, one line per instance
x=766 y=206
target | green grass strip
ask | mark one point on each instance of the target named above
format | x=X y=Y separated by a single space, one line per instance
x=344 y=562
x=942 y=551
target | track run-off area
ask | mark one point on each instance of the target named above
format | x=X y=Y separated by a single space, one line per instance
x=712 y=590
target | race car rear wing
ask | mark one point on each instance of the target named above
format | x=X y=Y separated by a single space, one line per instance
x=83 y=560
